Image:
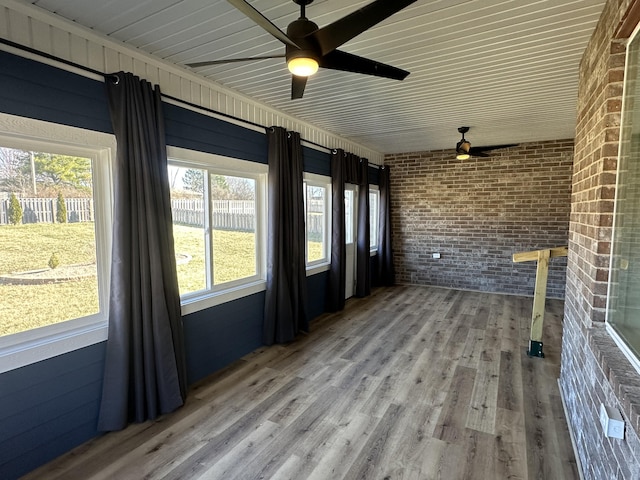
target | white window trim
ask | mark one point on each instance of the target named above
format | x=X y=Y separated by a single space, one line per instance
x=622 y=345
x=322 y=265
x=226 y=292
x=38 y=344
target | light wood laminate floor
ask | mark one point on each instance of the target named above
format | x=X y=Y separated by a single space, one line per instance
x=410 y=383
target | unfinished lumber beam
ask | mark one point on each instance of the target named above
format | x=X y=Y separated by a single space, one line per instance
x=540 y=292
x=531 y=256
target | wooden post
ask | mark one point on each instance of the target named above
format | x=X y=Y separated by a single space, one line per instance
x=540 y=293
x=539 y=300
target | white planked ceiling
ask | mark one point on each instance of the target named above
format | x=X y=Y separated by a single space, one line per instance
x=506 y=68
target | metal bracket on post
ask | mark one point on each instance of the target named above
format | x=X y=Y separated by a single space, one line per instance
x=535 y=349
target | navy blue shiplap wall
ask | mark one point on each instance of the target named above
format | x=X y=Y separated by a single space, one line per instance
x=49 y=407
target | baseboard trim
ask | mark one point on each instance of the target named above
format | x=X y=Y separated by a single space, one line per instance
x=571 y=434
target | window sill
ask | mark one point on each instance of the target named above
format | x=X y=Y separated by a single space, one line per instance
x=315 y=269
x=39 y=344
x=208 y=300
x=621 y=374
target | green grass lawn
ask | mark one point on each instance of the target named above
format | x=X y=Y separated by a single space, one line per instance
x=29 y=247
x=233 y=254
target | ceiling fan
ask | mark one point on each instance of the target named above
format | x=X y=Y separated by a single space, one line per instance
x=464 y=150
x=309 y=47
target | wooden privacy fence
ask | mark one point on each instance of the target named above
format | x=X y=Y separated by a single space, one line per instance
x=237 y=215
x=43 y=210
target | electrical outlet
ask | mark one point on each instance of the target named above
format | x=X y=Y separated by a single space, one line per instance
x=611 y=422
x=436 y=255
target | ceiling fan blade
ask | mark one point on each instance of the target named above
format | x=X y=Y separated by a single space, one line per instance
x=341 y=31
x=479 y=151
x=262 y=21
x=339 y=60
x=297 y=86
x=231 y=60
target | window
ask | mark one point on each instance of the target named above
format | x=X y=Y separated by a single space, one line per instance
x=218 y=214
x=349 y=214
x=623 y=308
x=317 y=215
x=55 y=217
x=374 y=206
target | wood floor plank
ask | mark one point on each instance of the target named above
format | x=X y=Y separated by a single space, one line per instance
x=510 y=382
x=347 y=445
x=473 y=348
x=248 y=447
x=441 y=461
x=452 y=421
x=510 y=460
x=410 y=383
x=480 y=452
x=307 y=424
x=482 y=406
x=369 y=464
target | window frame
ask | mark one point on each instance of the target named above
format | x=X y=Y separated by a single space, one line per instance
x=373 y=242
x=37 y=344
x=320 y=265
x=629 y=353
x=215 y=295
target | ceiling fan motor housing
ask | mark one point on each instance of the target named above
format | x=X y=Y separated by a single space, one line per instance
x=298 y=31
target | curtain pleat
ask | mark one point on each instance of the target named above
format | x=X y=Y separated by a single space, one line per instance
x=286 y=298
x=363 y=248
x=145 y=368
x=337 y=269
x=386 y=271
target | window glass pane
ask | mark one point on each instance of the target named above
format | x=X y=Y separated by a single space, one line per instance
x=315 y=207
x=188 y=212
x=373 y=219
x=624 y=293
x=233 y=221
x=348 y=215
x=48 y=270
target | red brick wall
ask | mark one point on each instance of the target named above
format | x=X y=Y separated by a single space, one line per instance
x=476 y=213
x=594 y=172
x=593 y=369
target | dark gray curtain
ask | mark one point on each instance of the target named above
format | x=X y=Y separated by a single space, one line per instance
x=363 y=249
x=285 y=311
x=348 y=168
x=145 y=373
x=337 y=271
x=386 y=271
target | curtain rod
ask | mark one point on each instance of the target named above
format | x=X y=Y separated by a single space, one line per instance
x=112 y=76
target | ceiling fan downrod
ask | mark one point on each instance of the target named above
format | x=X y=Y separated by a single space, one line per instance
x=303 y=7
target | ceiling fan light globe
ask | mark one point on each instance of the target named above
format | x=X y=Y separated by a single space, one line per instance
x=303 y=66
x=462 y=150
